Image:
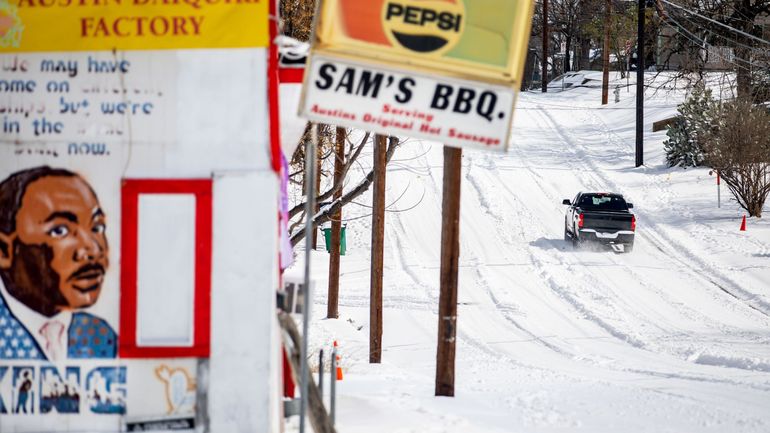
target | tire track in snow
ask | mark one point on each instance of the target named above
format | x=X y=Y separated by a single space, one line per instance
x=697 y=266
x=751 y=364
x=585 y=180
x=688 y=312
x=541 y=268
x=587 y=177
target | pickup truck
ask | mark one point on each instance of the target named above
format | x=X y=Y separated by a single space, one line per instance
x=599 y=217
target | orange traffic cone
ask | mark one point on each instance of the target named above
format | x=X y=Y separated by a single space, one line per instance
x=339 y=369
x=743 y=224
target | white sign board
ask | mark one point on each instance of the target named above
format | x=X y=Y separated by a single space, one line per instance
x=374 y=98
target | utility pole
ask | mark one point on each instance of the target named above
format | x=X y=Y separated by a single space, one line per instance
x=450 y=254
x=640 y=86
x=332 y=311
x=606 y=53
x=544 y=60
x=378 y=244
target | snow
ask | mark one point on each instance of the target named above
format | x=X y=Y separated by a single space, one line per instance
x=672 y=337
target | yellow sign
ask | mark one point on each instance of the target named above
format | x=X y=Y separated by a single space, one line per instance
x=464 y=38
x=91 y=25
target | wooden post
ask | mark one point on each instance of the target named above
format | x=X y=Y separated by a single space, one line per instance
x=450 y=254
x=544 y=60
x=606 y=54
x=332 y=311
x=378 y=242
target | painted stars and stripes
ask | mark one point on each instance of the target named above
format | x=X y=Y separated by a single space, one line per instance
x=15 y=341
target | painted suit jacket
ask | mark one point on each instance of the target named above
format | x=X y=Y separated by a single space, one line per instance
x=87 y=337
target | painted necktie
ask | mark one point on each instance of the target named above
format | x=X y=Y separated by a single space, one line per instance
x=52 y=331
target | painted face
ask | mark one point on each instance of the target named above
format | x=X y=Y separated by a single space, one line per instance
x=60 y=251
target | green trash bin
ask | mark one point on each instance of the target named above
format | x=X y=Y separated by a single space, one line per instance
x=328 y=239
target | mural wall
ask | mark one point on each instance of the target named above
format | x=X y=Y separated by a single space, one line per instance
x=91 y=96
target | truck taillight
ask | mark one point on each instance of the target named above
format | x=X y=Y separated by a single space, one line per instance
x=633 y=223
x=580 y=220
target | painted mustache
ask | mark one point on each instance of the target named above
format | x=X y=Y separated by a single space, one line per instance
x=88 y=271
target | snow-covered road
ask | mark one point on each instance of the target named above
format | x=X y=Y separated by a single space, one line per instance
x=674 y=336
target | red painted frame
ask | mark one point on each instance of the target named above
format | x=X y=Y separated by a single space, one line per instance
x=272 y=89
x=131 y=189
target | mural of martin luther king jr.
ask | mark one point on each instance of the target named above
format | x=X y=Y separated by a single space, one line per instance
x=53 y=259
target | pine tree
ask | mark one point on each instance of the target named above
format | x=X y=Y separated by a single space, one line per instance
x=684 y=146
x=680 y=148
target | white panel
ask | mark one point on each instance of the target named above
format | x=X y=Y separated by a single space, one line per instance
x=166 y=270
x=245 y=343
x=292 y=126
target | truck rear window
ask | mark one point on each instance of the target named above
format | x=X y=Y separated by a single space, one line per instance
x=602 y=202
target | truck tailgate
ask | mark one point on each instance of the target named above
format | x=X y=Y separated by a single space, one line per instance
x=607 y=221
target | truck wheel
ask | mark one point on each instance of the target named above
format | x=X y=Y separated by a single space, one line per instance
x=627 y=248
x=575 y=240
x=567 y=237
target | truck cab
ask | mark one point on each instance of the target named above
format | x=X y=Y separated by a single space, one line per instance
x=600 y=217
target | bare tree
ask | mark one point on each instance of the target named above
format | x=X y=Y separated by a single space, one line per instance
x=622 y=31
x=332 y=208
x=724 y=32
x=738 y=145
x=565 y=14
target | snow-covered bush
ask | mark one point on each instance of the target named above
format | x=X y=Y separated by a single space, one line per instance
x=684 y=146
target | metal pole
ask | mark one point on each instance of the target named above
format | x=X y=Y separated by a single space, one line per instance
x=333 y=390
x=321 y=373
x=317 y=207
x=544 y=60
x=640 y=87
x=310 y=155
x=606 y=53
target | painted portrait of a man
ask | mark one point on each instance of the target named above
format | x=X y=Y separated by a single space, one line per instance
x=54 y=256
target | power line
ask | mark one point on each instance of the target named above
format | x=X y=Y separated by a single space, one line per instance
x=749 y=35
x=700 y=42
x=695 y=39
x=732 y=41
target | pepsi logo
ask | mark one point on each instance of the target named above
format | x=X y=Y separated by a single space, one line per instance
x=424 y=26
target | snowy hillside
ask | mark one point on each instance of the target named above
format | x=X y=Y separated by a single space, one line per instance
x=673 y=337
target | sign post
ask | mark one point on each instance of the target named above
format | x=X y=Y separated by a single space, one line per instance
x=719 y=187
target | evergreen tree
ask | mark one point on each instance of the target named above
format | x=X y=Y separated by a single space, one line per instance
x=684 y=146
x=680 y=148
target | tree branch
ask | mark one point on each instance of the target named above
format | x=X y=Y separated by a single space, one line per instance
x=325 y=215
x=336 y=187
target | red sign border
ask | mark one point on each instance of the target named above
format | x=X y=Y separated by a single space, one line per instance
x=131 y=189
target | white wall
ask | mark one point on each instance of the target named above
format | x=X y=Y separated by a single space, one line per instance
x=243 y=393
